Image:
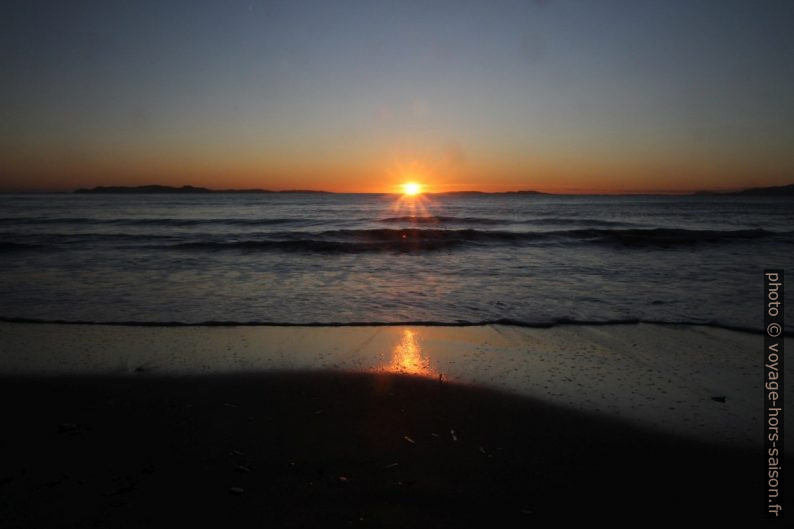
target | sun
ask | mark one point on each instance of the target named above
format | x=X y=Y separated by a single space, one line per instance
x=412 y=188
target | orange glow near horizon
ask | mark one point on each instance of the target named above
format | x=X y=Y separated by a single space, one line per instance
x=377 y=174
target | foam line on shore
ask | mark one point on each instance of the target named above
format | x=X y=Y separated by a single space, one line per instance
x=422 y=323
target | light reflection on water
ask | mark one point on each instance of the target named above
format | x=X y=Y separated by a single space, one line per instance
x=414 y=206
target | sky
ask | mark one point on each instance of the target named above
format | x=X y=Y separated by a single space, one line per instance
x=553 y=95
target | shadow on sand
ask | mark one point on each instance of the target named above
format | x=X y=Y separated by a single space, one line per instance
x=315 y=449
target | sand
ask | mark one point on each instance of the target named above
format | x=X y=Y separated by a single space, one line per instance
x=659 y=376
x=113 y=426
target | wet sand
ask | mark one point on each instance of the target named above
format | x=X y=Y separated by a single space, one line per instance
x=694 y=381
x=114 y=426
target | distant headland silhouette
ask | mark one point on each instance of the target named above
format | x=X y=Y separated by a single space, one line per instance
x=786 y=190
x=183 y=189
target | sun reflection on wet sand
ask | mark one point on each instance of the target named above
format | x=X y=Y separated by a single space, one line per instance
x=407 y=357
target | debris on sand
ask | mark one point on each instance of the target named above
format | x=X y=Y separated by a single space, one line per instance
x=124 y=490
x=52 y=482
x=68 y=427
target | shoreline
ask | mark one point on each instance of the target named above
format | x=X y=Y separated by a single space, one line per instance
x=507 y=322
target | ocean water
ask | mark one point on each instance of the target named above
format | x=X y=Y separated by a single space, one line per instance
x=335 y=258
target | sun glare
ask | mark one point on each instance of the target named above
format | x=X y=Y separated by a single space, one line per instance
x=408 y=357
x=412 y=188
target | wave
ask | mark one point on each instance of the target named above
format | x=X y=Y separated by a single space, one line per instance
x=568 y=221
x=46 y=220
x=406 y=219
x=414 y=239
x=489 y=221
x=573 y=223
x=321 y=246
x=8 y=246
x=166 y=222
x=554 y=322
x=668 y=237
x=361 y=241
x=397 y=240
x=204 y=222
x=410 y=219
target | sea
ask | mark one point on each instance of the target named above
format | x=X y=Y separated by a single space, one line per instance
x=322 y=258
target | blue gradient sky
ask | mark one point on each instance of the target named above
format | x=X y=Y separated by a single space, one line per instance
x=357 y=96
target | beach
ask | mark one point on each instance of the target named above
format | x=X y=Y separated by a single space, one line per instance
x=315 y=360
x=395 y=426
x=395 y=264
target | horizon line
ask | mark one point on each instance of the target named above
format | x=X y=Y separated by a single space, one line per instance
x=187 y=189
